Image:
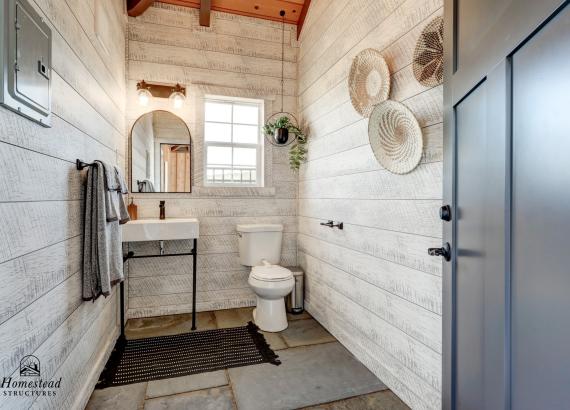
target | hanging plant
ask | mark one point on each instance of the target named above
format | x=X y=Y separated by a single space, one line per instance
x=280 y=132
x=298 y=152
x=281 y=128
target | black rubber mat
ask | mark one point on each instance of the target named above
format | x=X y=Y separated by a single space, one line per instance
x=141 y=360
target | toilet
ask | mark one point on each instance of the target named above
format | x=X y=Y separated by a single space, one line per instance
x=260 y=248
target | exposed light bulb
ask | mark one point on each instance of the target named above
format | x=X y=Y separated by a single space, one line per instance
x=177 y=99
x=144 y=96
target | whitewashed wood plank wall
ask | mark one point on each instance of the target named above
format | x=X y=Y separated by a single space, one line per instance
x=372 y=285
x=41 y=201
x=237 y=56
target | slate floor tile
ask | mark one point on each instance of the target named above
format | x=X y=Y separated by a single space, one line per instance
x=166 y=387
x=219 y=398
x=384 y=400
x=129 y=397
x=167 y=325
x=298 y=316
x=305 y=332
x=308 y=375
x=233 y=317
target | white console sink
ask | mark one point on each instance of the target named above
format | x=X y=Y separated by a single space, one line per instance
x=160 y=229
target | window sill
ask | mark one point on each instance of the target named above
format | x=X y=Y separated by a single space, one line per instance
x=233 y=191
x=211 y=192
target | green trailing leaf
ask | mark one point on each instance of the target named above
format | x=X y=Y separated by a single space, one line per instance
x=298 y=152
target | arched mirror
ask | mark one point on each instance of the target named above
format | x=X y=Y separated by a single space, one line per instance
x=160 y=152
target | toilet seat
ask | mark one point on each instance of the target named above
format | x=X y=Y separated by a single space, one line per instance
x=271 y=273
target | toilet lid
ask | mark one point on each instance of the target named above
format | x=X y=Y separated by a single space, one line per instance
x=270 y=272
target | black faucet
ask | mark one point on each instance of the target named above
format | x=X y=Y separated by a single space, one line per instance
x=161 y=206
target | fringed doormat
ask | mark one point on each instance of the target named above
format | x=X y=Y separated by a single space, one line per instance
x=141 y=360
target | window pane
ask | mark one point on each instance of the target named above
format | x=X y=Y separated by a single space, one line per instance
x=219 y=156
x=227 y=125
x=237 y=175
x=246 y=134
x=228 y=175
x=218 y=111
x=246 y=114
x=245 y=157
x=217 y=132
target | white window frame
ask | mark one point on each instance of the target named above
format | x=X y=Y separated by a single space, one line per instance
x=258 y=146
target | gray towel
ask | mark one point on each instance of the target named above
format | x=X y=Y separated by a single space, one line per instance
x=115 y=186
x=121 y=180
x=102 y=245
x=145 y=185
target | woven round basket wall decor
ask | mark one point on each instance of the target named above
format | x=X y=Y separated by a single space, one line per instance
x=368 y=81
x=395 y=137
x=428 y=55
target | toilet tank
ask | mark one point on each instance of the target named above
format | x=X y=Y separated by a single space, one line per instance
x=257 y=242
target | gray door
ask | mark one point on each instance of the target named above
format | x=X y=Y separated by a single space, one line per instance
x=507 y=179
x=479 y=254
x=540 y=275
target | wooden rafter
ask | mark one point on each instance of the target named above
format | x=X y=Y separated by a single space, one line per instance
x=302 y=17
x=264 y=9
x=137 y=7
x=205 y=11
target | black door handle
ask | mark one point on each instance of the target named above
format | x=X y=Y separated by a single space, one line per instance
x=444 y=251
x=445 y=213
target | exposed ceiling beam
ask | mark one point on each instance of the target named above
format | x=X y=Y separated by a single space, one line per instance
x=263 y=9
x=137 y=7
x=205 y=9
x=302 y=17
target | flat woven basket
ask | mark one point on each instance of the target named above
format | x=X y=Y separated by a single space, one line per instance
x=395 y=137
x=428 y=55
x=368 y=81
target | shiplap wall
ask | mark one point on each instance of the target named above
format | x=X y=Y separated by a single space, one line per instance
x=372 y=284
x=239 y=57
x=41 y=201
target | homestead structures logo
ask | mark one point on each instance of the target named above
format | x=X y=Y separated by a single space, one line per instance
x=30 y=382
x=30 y=366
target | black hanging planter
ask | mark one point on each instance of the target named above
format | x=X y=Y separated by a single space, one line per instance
x=279 y=124
x=281 y=135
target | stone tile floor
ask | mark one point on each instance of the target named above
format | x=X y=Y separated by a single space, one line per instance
x=317 y=372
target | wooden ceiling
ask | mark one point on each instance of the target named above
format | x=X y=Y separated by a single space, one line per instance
x=264 y=9
x=295 y=10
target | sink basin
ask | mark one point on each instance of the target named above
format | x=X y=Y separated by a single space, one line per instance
x=160 y=229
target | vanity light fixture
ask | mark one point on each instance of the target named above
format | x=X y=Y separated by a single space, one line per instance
x=176 y=94
x=143 y=93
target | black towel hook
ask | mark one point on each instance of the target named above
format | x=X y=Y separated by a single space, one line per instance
x=81 y=165
x=331 y=224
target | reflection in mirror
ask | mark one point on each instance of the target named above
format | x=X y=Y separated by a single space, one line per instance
x=161 y=159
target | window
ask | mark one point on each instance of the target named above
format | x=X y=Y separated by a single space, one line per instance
x=233 y=142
